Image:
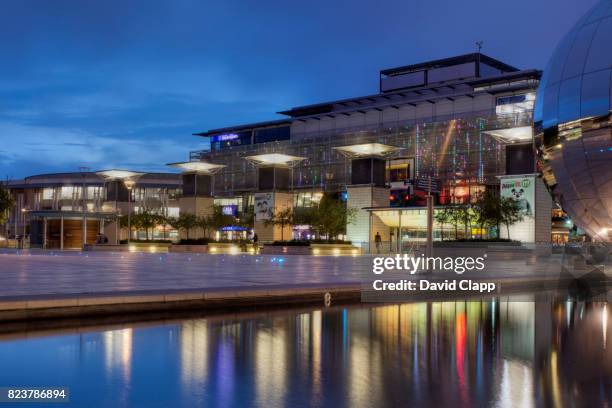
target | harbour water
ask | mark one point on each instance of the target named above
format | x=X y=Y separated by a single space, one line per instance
x=489 y=353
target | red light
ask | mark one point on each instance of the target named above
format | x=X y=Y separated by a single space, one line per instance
x=391 y=198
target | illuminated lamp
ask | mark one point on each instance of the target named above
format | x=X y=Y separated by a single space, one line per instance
x=275 y=159
x=366 y=149
x=198 y=167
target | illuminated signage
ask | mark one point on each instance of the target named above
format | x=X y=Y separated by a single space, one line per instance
x=229 y=210
x=224 y=137
x=233 y=228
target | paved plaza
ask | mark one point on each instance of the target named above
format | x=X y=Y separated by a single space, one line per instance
x=35 y=273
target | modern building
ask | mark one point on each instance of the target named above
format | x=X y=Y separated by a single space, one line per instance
x=453 y=127
x=69 y=210
x=574 y=123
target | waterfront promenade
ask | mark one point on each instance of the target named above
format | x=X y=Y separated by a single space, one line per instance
x=39 y=281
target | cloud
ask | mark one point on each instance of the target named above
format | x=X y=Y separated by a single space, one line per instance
x=43 y=148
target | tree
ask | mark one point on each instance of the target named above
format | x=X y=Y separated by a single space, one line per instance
x=185 y=222
x=175 y=222
x=487 y=210
x=247 y=219
x=510 y=212
x=6 y=203
x=331 y=217
x=442 y=217
x=206 y=224
x=162 y=220
x=455 y=217
x=282 y=219
x=219 y=220
x=145 y=220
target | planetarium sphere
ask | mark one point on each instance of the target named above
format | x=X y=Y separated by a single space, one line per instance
x=573 y=113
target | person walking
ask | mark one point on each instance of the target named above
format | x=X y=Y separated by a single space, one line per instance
x=255 y=243
x=378 y=242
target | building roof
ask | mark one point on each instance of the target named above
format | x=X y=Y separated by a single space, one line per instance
x=89 y=179
x=447 y=62
x=244 y=127
x=411 y=96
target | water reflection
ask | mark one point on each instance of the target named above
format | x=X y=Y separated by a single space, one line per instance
x=495 y=353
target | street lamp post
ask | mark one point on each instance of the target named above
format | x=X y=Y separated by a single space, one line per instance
x=23 y=211
x=129 y=180
x=129 y=184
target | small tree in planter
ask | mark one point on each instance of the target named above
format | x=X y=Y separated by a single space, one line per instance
x=455 y=217
x=185 y=222
x=6 y=203
x=510 y=212
x=218 y=220
x=282 y=219
x=146 y=220
x=206 y=224
x=331 y=217
x=487 y=210
x=442 y=217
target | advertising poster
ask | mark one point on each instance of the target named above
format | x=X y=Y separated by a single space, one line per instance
x=521 y=189
x=264 y=206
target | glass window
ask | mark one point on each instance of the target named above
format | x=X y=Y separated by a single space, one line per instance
x=600 y=56
x=595 y=99
x=574 y=64
x=569 y=99
x=555 y=67
x=68 y=192
x=550 y=107
x=515 y=103
x=47 y=194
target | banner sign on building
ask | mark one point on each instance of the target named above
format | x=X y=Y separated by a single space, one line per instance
x=264 y=206
x=229 y=210
x=522 y=189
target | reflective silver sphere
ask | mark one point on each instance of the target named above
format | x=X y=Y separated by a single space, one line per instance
x=573 y=115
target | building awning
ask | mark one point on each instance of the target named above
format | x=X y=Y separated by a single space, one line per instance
x=117 y=174
x=198 y=167
x=275 y=159
x=411 y=217
x=366 y=150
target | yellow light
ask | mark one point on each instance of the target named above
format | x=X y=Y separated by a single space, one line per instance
x=336 y=251
x=233 y=250
x=315 y=251
x=213 y=249
x=355 y=252
x=152 y=248
x=132 y=248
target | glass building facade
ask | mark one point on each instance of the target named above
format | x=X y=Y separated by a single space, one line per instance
x=442 y=115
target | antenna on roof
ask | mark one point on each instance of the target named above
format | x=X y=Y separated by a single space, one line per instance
x=479 y=45
x=479 y=48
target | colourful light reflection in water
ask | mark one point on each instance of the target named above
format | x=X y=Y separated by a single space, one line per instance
x=438 y=354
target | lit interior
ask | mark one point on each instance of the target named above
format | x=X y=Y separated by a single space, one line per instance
x=512 y=135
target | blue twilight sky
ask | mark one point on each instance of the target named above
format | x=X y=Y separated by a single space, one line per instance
x=125 y=83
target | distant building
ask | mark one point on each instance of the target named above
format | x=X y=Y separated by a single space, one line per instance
x=68 y=210
x=460 y=122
